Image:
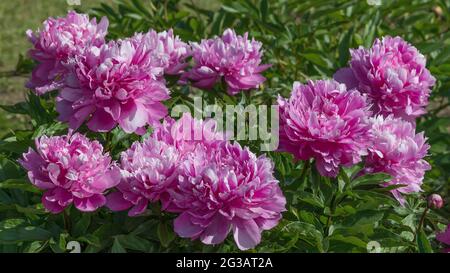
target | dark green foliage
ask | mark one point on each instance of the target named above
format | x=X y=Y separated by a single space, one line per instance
x=303 y=40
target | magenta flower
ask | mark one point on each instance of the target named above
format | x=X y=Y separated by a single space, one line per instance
x=444 y=238
x=325 y=121
x=161 y=53
x=59 y=39
x=394 y=76
x=397 y=150
x=70 y=169
x=232 y=57
x=176 y=52
x=113 y=84
x=227 y=189
x=149 y=169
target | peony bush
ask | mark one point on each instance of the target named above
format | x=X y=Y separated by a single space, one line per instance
x=115 y=166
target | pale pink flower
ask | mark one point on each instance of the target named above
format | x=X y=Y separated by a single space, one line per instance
x=149 y=169
x=397 y=150
x=393 y=73
x=233 y=58
x=59 y=39
x=226 y=189
x=113 y=84
x=176 y=52
x=324 y=121
x=70 y=169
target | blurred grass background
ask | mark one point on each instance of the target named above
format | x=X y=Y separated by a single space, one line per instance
x=16 y=16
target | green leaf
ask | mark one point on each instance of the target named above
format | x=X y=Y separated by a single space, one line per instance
x=307 y=230
x=117 y=247
x=22 y=234
x=423 y=244
x=165 y=235
x=18 y=108
x=229 y=9
x=264 y=7
x=349 y=240
x=20 y=184
x=310 y=199
x=90 y=239
x=82 y=225
x=135 y=243
x=371 y=179
x=344 y=52
x=316 y=59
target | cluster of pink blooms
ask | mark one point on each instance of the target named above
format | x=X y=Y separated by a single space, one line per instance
x=215 y=186
x=71 y=169
x=121 y=82
x=105 y=83
x=336 y=125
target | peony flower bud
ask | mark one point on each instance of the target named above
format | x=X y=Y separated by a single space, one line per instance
x=435 y=201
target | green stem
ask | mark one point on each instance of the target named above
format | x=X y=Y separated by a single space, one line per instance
x=67 y=223
x=422 y=219
x=304 y=171
x=332 y=209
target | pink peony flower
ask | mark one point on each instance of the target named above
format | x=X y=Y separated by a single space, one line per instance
x=444 y=238
x=60 y=39
x=113 y=84
x=149 y=169
x=397 y=150
x=325 y=121
x=176 y=52
x=394 y=76
x=226 y=189
x=233 y=57
x=70 y=169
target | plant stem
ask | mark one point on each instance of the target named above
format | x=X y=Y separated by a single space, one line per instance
x=422 y=219
x=304 y=172
x=67 y=224
x=332 y=209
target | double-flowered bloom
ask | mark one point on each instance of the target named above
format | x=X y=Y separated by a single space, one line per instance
x=105 y=83
x=393 y=74
x=397 y=150
x=232 y=58
x=325 y=121
x=57 y=41
x=116 y=83
x=227 y=189
x=70 y=169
